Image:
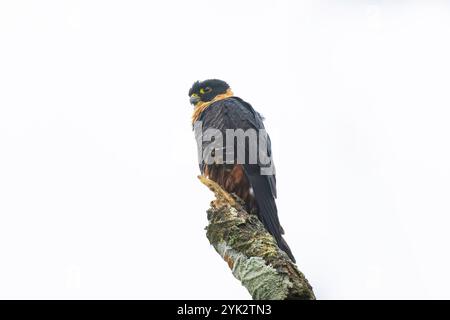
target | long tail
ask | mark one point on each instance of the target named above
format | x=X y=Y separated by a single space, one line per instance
x=284 y=246
x=267 y=211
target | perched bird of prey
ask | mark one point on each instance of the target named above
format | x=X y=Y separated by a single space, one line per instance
x=215 y=107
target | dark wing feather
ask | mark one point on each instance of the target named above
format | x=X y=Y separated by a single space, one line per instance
x=235 y=113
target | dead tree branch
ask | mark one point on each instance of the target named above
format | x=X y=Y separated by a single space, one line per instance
x=250 y=251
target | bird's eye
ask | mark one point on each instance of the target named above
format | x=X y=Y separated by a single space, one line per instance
x=205 y=90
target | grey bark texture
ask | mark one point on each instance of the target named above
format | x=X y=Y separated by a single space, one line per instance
x=251 y=252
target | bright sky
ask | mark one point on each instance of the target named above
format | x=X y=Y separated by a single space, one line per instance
x=98 y=189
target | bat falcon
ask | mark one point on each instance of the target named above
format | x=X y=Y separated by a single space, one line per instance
x=217 y=109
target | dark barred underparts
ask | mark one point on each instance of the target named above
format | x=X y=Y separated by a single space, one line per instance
x=251 y=252
x=233 y=180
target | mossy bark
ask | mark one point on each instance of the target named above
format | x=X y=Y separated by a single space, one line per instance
x=251 y=252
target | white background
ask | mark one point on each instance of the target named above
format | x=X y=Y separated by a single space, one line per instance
x=98 y=189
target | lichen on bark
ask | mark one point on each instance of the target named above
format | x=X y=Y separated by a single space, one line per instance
x=250 y=251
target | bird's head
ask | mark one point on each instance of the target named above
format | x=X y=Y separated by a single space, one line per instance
x=207 y=90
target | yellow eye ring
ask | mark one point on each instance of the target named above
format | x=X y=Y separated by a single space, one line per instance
x=205 y=90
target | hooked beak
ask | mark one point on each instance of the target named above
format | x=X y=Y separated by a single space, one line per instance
x=194 y=99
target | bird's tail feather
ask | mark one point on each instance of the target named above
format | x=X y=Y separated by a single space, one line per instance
x=267 y=211
x=284 y=246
